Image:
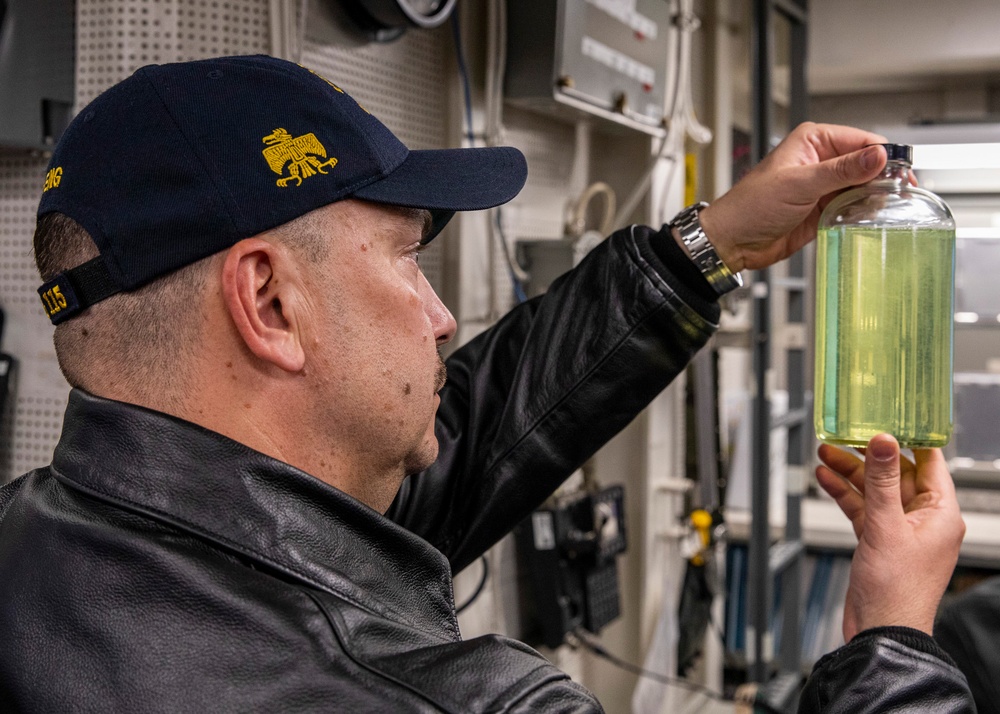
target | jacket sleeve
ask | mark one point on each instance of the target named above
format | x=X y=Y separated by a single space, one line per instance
x=887 y=669
x=528 y=401
x=968 y=629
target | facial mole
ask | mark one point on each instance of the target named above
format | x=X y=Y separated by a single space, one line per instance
x=406 y=389
x=84 y=332
x=229 y=364
x=364 y=247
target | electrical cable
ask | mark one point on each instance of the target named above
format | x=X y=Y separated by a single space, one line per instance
x=497 y=51
x=717 y=629
x=463 y=73
x=496 y=48
x=642 y=185
x=680 y=120
x=495 y=74
x=517 y=274
x=588 y=642
x=479 y=588
x=687 y=22
x=578 y=223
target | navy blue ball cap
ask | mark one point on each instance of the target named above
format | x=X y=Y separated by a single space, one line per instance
x=180 y=161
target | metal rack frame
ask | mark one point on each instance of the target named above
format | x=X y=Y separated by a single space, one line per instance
x=766 y=560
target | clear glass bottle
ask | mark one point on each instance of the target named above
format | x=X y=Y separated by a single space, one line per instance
x=885 y=284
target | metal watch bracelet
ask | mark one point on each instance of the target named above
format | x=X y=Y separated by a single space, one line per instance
x=718 y=275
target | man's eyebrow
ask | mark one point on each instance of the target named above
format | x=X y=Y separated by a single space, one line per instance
x=419 y=215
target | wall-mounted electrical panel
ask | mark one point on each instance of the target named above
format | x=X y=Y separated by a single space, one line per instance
x=571 y=550
x=37 y=60
x=603 y=57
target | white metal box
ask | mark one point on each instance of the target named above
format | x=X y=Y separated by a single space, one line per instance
x=603 y=57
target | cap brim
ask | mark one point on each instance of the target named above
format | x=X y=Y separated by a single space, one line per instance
x=444 y=181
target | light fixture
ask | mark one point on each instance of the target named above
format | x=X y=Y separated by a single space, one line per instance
x=952 y=157
x=956 y=156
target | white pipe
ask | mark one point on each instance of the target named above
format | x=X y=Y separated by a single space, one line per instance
x=276 y=23
x=300 y=40
x=579 y=175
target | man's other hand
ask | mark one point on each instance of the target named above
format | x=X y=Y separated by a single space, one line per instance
x=909 y=531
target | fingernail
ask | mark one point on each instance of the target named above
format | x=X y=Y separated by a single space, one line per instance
x=871 y=158
x=882 y=450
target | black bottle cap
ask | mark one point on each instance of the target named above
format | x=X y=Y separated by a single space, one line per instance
x=899 y=152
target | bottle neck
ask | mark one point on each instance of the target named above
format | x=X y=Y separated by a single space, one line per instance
x=897 y=171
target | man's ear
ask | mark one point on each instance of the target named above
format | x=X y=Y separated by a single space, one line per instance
x=259 y=289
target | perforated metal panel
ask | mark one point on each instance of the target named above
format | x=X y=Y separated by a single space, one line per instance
x=32 y=419
x=116 y=37
x=21 y=179
x=404 y=83
x=548 y=146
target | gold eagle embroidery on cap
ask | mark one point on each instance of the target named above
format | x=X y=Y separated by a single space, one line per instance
x=301 y=151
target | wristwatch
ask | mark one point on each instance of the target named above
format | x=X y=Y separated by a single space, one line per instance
x=718 y=275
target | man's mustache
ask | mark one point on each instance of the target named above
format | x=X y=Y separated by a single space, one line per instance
x=442 y=375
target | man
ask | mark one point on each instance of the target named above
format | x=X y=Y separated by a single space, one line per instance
x=264 y=484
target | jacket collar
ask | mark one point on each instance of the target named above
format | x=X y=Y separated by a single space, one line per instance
x=256 y=506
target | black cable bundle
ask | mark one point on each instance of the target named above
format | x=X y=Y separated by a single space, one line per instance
x=6 y=372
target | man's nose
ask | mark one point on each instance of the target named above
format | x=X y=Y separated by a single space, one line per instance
x=442 y=321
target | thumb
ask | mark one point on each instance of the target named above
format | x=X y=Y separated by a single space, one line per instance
x=841 y=172
x=882 y=482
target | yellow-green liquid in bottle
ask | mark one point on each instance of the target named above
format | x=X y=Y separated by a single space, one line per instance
x=884 y=334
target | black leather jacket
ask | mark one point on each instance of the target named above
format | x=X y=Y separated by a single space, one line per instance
x=159 y=566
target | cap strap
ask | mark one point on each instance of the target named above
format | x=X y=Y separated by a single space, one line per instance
x=76 y=289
